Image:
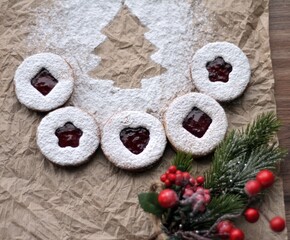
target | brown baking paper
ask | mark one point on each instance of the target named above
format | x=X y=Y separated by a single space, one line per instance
x=39 y=200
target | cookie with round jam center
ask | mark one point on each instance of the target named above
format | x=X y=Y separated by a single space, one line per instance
x=135 y=139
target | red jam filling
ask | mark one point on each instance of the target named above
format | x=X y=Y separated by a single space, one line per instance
x=197 y=122
x=218 y=70
x=135 y=139
x=68 y=135
x=44 y=82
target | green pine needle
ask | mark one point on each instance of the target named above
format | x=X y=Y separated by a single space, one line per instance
x=222 y=205
x=242 y=155
x=183 y=161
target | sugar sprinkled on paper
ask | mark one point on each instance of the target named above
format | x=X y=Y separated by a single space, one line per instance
x=72 y=28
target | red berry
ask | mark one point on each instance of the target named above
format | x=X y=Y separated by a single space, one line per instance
x=237 y=234
x=188 y=186
x=200 y=189
x=172 y=169
x=200 y=180
x=192 y=181
x=224 y=228
x=252 y=187
x=167 y=198
x=186 y=176
x=266 y=178
x=178 y=179
x=206 y=191
x=171 y=177
x=207 y=198
x=252 y=215
x=167 y=183
x=277 y=224
x=187 y=193
x=163 y=177
x=178 y=172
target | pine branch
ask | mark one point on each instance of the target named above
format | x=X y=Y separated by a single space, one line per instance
x=242 y=154
x=262 y=129
x=183 y=161
x=219 y=206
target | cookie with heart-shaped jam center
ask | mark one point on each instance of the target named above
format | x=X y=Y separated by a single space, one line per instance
x=135 y=139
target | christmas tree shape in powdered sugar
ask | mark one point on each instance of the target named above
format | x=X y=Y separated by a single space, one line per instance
x=126 y=51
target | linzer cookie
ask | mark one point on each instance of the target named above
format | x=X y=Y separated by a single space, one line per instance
x=133 y=140
x=68 y=136
x=43 y=82
x=221 y=70
x=195 y=123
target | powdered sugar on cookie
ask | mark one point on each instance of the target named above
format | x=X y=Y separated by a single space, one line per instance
x=239 y=77
x=73 y=29
x=119 y=154
x=33 y=98
x=181 y=138
x=48 y=141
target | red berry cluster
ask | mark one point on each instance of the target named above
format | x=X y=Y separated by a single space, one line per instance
x=179 y=178
x=227 y=230
x=192 y=190
x=264 y=179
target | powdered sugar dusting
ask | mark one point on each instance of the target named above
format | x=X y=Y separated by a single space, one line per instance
x=238 y=78
x=29 y=95
x=72 y=28
x=115 y=150
x=183 y=140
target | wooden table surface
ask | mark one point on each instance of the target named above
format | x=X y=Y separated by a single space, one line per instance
x=280 y=48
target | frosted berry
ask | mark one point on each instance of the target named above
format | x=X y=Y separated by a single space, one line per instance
x=172 y=169
x=167 y=198
x=277 y=224
x=252 y=187
x=237 y=234
x=266 y=178
x=207 y=198
x=200 y=180
x=187 y=193
x=252 y=215
x=186 y=176
x=224 y=228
